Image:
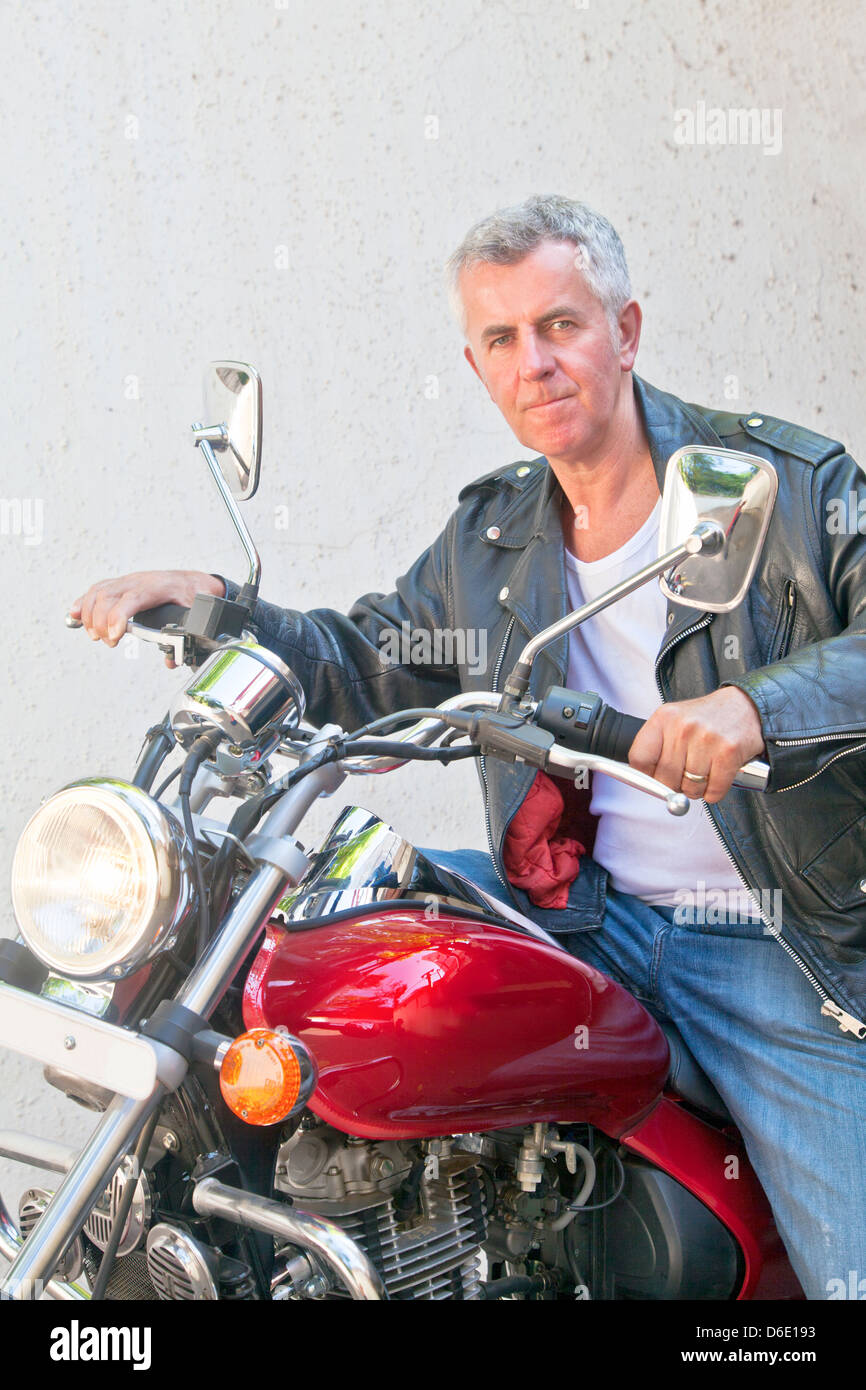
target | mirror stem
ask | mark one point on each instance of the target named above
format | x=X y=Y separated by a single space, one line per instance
x=249 y=592
x=706 y=536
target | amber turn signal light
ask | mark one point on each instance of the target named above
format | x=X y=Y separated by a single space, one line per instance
x=261 y=1076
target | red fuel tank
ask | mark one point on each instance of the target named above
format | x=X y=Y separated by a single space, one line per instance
x=426 y=1027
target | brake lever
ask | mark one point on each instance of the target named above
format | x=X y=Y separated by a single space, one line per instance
x=170 y=644
x=572 y=764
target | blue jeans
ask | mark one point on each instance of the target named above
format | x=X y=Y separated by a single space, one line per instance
x=794 y=1084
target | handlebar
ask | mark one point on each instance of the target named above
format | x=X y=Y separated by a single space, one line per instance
x=570 y=731
x=576 y=722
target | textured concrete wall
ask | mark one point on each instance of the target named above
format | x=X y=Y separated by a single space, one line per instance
x=281 y=182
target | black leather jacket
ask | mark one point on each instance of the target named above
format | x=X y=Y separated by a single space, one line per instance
x=796 y=646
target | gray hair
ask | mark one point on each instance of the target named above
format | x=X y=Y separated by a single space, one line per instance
x=506 y=236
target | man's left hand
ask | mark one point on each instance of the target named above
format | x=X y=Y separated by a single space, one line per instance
x=710 y=738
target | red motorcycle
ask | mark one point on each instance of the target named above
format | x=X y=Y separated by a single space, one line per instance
x=350 y=1073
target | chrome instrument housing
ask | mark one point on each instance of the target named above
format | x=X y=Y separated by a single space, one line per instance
x=244 y=690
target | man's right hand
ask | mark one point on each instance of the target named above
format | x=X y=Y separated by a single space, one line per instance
x=106 y=607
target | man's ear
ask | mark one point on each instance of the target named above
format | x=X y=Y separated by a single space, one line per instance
x=629 y=325
x=470 y=358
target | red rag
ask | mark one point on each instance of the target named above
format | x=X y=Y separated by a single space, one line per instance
x=537 y=858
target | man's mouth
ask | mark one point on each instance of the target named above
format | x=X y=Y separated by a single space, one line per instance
x=539 y=405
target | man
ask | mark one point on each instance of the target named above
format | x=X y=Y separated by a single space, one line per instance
x=552 y=331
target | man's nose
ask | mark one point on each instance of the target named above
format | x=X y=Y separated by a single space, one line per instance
x=536 y=361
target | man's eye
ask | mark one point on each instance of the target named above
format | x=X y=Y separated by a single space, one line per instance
x=503 y=339
x=563 y=323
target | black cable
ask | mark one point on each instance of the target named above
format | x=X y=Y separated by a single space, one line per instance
x=402 y=716
x=201 y=749
x=106 y=1264
x=408 y=1193
x=203 y=926
x=375 y=909
x=514 y=1283
x=406 y=752
x=576 y=1271
x=170 y=778
x=158 y=743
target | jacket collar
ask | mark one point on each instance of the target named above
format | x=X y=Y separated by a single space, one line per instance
x=670 y=424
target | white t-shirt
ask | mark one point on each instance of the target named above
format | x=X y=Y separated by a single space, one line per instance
x=647 y=851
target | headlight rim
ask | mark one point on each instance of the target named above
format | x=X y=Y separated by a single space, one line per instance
x=168 y=908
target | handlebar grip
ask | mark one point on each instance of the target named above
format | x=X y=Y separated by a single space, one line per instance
x=614 y=734
x=161 y=616
x=156 y=618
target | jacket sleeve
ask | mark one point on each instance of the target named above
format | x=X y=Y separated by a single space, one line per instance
x=362 y=664
x=818 y=692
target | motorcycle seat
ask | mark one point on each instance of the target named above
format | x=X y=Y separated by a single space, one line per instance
x=688 y=1080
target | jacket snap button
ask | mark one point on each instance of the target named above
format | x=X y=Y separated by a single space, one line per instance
x=522 y=472
x=863 y=885
x=755 y=420
x=503 y=595
x=670 y=618
x=493 y=533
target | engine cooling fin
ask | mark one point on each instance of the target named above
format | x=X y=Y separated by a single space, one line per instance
x=436 y=1258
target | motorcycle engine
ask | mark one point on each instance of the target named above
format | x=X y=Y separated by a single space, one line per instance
x=417 y=1209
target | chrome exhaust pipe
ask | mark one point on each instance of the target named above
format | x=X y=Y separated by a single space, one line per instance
x=330 y=1243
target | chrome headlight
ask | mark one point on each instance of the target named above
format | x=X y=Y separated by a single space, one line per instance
x=101 y=880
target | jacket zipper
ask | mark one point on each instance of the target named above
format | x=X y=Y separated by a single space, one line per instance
x=790 y=612
x=481 y=760
x=816 y=738
x=846 y=1022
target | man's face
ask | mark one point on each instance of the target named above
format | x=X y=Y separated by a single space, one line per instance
x=542 y=344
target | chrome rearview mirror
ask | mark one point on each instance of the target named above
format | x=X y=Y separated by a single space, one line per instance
x=231 y=443
x=233 y=423
x=735 y=494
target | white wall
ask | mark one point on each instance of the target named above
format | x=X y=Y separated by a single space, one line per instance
x=281 y=183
